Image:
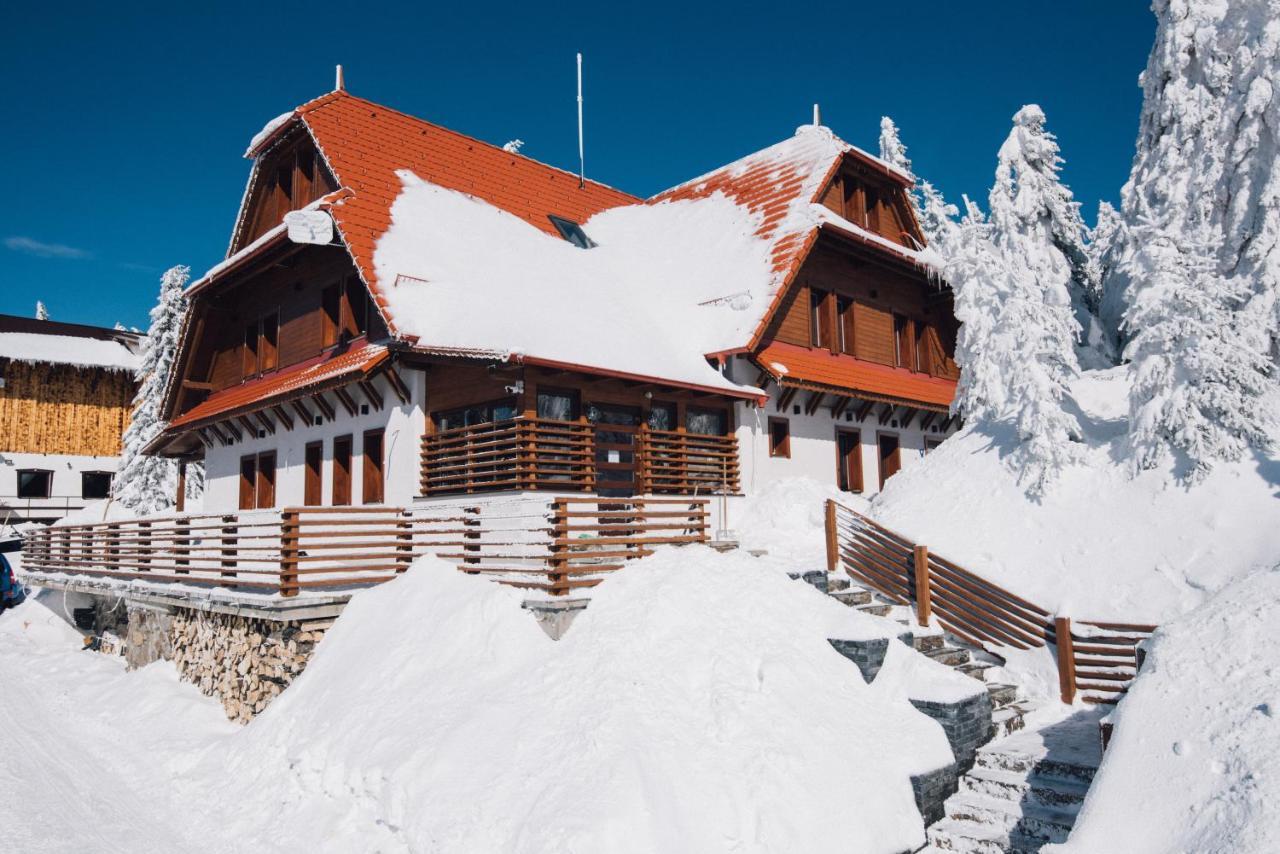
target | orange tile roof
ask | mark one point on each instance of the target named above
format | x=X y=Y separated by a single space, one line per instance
x=366 y=143
x=325 y=370
x=791 y=364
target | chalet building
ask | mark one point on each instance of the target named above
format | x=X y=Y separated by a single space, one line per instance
x=66 y=392
x=407 y=314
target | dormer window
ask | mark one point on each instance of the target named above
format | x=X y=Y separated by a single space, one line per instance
x=571 y=232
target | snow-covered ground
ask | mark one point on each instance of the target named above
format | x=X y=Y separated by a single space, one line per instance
x=1195 y=761
x=1102 y=544
x=695 y=706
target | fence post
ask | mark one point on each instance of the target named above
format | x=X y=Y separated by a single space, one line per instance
x=404 y=542
x=558 y=562
x=1066 y=659
x=833 y=542
x=924 y=601
x=229 y=539
x=144 y=546
x=289 y=531
x=182 y=545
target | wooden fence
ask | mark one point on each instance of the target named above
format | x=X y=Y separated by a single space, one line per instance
x=1096 y=660
x=567 y=545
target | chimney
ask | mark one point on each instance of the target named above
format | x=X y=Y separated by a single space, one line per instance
x=817 y=113
x=340 y=87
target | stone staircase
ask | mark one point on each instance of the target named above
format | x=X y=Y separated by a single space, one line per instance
x=1007 y=712
x=1023 y=792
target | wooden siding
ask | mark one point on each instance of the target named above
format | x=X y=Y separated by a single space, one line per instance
x=63 y=409
x=290 y=177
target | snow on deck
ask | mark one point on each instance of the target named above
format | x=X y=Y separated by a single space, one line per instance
x=67 y=350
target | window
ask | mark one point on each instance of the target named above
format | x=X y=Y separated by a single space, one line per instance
x=871 y=206
x=480 y=413
x=311 y=489
x=355 y=308
x=34 y=483
x=780 y=438
x=258 y=481
x=342 y=471
x=330 y=315
x=819 y=323
x=371 y=468
x=930 y=444
x=557 y=405
x=249 y=363
x=571 y=232
x=706 y=422
x=268 y=346
x=848 y=460
x=248 y=481
x=890 y=456
x=95 y=484
x=844 y=308
x=903 y=346
x=662 y=416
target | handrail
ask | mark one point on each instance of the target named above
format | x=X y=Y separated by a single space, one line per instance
x=980 y=612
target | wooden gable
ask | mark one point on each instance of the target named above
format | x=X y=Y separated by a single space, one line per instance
x=866 y=198
x=290 y=176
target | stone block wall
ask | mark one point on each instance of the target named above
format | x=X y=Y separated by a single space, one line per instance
x=966 y=722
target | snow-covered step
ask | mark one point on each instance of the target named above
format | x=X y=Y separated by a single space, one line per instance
x=1026 y=764
x=852 y=596
x=977 y=669
x=876 y=609
x=1001 y=695
x=1020 y=788
x=1005 y=721
x=1027 y=819
x=969 y=836
x=951 y=656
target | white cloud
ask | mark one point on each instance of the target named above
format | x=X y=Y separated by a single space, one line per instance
x=43 y=250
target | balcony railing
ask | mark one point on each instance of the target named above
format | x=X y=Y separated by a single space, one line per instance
x=539 y=454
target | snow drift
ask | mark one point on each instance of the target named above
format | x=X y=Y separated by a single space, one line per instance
x=1102 y=544
x=1195 y=761
x=694 y=706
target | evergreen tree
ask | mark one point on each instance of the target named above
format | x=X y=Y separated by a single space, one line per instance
x=892 y=151
x=1198 y=363
x=1105 y=238
x=42 y=313
x=937 y=216
x=144 y=483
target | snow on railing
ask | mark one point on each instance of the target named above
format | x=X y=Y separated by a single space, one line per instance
x=1095 y=660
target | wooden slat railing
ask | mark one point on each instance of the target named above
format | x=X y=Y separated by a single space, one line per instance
x=322 y=548
x=1096 y=661
x=687 y=463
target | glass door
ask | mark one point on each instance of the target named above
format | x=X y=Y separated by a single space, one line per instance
x=616 y=429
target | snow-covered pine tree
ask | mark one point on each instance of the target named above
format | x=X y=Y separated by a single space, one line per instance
x=42 y=313
x=144 y=483
x=937 y=217
x=892 y=151
x=922 y=194
x=1204 y=175
x=1198 y=364
x=1105 y=239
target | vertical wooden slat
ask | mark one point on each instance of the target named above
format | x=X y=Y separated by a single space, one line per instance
x=182 y=544
x=289 y=532
x=924 y=603
x=833 y=545
x=1066 y=659
x=230 y=543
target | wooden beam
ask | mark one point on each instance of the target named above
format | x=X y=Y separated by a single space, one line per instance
x=762 y=379
x=198 y=386
x=839 y=404
x=371 y=394
x=885 y=413
x=232 y=430
x=815 y=399
x=946 y=424
x=303 y=412
x=249 y=426
x=347 y=403
x=266 y=421
x=397 y=384
x=282 y=415
x=787 y=396
x=221 y=437
x=204 y=437
x=926 y=417
x=325 y=407
x=864 y=410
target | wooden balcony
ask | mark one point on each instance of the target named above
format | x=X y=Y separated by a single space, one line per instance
x=565 y=456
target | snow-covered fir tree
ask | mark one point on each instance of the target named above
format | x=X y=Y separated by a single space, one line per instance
x=42 y=313
x=1105 y=238
x=144 y=483
x=937 y=216
x=1201 y=211
x=892 y=151
x=1198 y=364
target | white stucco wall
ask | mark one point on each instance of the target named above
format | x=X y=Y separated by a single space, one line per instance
x=65 y=489
x=403 y=424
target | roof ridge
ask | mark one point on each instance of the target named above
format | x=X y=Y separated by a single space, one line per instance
x=461 y=135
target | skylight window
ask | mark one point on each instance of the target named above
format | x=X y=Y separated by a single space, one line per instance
x=571 y=232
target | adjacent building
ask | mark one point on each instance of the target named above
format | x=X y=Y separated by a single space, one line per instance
x=66 y=391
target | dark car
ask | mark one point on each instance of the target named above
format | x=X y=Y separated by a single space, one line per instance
x=11 y=592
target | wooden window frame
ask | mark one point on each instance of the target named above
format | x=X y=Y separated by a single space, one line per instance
x=931 y=444
x=313 y=478
x=846 y=324
x=726 y=413
x=330 y=315
x=840 y=470
x=572 y=393
x=780 y=449
x=366 y=481
x=264 y=489
x=48 y=484
x=881 y=435
x=248 y=482
x=340 y=476
x=109 y=475
x=269 y=342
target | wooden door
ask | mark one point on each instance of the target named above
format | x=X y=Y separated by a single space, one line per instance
x=616 y=431
x=371 y=468
x=342 y=471
x=890 y=457
x=248 y=482
x=312 y=492
x=266 y=485
x=849 y=460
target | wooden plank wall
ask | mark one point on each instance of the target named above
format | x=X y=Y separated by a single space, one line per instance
x=63 y=409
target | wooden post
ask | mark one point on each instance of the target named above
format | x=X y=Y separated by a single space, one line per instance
x=404 y=542
x=289 y=530
x=230 y=542
x=558 y=562
x=1066 y=659
x=833 y=540
x=182 y=545
x=924 y=602
x=180 y=501
x=144 y=546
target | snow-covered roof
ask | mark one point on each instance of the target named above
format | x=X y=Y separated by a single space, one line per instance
x=67 y=350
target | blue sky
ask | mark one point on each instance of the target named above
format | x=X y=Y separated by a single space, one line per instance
x=125 y=123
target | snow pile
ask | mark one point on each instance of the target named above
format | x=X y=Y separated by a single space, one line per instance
x=1102 y=543
x=786 y=516
x=694 y=706
x=105 y=510
x=267 y=130
x=67 y=350
x=1195 y=761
